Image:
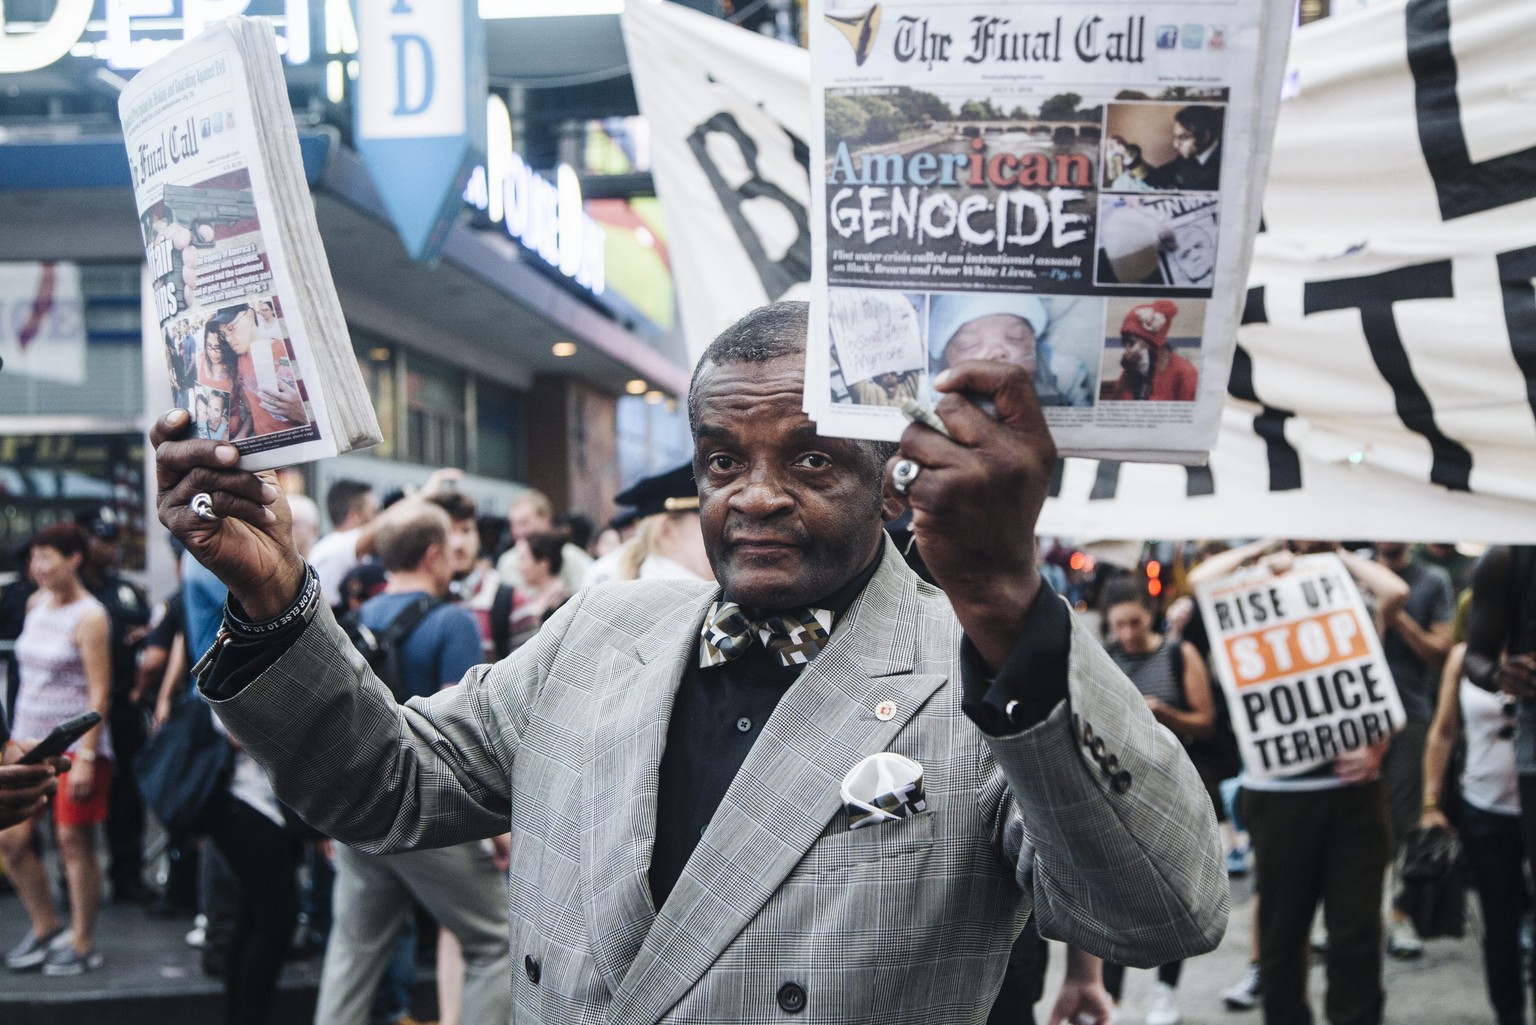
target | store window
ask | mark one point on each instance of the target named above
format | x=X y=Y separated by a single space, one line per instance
x=499 y=448
x=653 y=436
x=436 y=432
x=376 y=360
x=53 y=478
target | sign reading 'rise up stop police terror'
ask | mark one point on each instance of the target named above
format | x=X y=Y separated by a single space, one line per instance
x=1302 y=667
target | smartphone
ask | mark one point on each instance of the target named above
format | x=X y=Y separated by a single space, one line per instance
x=63 y=735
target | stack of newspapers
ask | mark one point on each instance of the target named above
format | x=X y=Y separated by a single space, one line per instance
x=256 y=345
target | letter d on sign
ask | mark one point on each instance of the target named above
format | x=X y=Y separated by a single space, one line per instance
x=405 y=44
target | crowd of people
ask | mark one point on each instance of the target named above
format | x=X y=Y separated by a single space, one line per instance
x=471 y=586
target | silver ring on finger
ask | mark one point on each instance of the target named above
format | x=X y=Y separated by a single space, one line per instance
x=202 y=506
x=903 y=474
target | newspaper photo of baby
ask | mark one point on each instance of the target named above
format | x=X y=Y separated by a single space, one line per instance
x=1056 y=338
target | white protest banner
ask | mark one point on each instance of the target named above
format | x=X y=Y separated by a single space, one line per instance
x=1301 y=665
x=1335 y=421
x=729 y=112
x=1384 y=384
x=42 y=321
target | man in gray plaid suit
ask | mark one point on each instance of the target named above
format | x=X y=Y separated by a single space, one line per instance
x=672 y=756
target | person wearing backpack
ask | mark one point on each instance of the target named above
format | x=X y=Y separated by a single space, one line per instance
x=418 y=643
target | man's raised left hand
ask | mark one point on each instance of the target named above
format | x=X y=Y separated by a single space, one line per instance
x=977 y=496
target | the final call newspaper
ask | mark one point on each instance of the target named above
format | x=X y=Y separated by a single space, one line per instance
x=237 y=359
x=1069 y=186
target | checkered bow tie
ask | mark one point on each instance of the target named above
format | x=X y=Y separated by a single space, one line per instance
x=794 y=636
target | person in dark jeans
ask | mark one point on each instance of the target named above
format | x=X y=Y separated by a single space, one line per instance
x=1483 y=804
x=1501 y=660
x=1415 y=643
x=248 y=830
x=264 y=857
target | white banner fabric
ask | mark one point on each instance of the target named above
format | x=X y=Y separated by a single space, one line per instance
x=730 y=112
x=1384 y=384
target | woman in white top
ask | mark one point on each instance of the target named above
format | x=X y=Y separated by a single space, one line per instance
x=1487 y=820
x=65 y=670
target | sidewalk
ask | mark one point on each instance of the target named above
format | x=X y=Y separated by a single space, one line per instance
x=1444 y=987
x=153 y=978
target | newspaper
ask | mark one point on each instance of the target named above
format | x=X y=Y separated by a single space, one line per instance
x=1302 y=667
x=1072 y=187
x=249 y=353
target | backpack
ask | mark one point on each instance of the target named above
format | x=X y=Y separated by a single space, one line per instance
x=381 y=648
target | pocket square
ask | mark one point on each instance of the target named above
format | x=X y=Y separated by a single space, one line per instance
x=882 y=788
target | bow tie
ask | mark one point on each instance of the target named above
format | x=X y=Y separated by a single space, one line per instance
x=794 y=637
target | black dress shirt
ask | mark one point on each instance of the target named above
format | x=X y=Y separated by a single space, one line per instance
x=719 y=711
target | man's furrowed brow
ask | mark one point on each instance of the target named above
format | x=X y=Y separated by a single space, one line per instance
x=805 y=434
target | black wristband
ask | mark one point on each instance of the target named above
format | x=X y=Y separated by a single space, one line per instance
x=298 y=612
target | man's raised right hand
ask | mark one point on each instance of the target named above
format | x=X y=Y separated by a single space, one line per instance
x=250 y=546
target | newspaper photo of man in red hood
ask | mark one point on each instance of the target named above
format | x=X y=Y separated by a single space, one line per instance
x=1149 y=367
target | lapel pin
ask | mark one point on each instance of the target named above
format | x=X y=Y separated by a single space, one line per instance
x=885 y=711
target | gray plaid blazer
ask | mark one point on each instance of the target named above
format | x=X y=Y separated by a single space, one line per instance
x=1094 y=821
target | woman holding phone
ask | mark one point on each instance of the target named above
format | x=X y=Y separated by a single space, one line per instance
x=65 y=670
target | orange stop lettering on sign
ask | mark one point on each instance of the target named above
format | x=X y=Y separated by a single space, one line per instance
x=1290 y=648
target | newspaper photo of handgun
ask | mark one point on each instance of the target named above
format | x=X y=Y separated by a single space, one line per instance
x=200 y=208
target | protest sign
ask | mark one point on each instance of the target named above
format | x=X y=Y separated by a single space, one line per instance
x=1097 y=161
x=878 y=337
x=1303 y=670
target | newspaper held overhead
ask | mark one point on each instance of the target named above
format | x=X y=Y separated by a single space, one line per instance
x=256 y=346
x=1303 y=670
x=1068 y=186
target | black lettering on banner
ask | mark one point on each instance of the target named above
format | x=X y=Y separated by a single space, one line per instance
x=1106 y=481
x=1198 y=481
x=1284 y=462
x=1374 y=296
x=1517 y=268
x=1463 y=187
x=778 y=276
